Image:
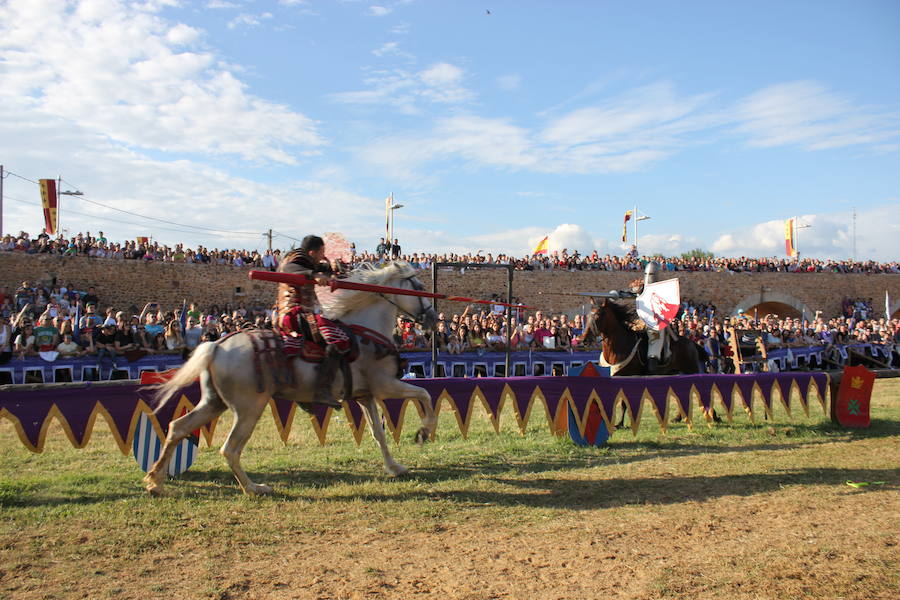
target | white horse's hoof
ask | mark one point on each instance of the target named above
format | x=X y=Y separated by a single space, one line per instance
x=258 y=489
x=154 y=485
x=397 y=471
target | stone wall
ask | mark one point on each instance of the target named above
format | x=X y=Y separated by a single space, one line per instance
x=126 y=283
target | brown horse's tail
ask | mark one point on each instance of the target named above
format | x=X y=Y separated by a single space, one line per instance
x=186 y=375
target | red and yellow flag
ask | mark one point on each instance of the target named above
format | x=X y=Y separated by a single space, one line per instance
x=541 y=248
x=625 y=226
x=49 y=201
x=851 y=409
x=789 y=248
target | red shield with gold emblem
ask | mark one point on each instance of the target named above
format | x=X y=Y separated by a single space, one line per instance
x=852 y=408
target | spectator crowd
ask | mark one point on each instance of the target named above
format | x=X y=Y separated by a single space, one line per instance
x=147 y=250
x=38 y=318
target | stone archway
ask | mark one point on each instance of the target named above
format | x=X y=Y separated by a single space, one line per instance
x=767 y=301
x=894 y=310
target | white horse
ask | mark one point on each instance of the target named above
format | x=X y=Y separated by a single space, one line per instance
x=228 y=378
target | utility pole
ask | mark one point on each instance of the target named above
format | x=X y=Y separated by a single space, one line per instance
x=798 y=227
x=269 y=235
x=59 y=193
x=853 y=257
x=636 y=219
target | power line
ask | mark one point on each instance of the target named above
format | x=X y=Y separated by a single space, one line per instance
x=134 y=214
x=93 y=216
x=287 y=236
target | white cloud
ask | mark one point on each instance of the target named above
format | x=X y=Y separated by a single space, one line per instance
x=509 y=83
x=131 y=80
x=380 y=11
x=622 y=135
x=248 y=20
x=829 y=235
x=220 y=4
x=627 y=132
x=404 y=90
x=805 y=114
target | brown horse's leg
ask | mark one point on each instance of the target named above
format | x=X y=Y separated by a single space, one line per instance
x=209 y=408
x=244 y=423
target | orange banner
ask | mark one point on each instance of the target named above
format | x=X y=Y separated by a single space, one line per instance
x=789 y=248
x=49 y=201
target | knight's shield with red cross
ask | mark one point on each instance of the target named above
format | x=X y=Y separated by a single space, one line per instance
x=852 y=404
x=658 y=303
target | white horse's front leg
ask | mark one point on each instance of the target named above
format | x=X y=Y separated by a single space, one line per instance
x=391 y=467
x=395 y=388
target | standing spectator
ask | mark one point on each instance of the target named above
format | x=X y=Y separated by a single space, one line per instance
x=541 y=334
x=395 y=250
x=24 y=295
x=173 y=339
x=90 y=319
x=192 y=334
x=6 y=339
x=91 y=297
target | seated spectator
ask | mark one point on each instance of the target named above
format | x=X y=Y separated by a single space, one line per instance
x=124 y=337
x=24 y=343
x=68 y=347
x=46 y=335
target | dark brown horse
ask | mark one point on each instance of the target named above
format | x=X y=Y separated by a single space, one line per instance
x=625 y=350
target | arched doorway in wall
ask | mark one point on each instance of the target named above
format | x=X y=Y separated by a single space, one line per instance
x=768 y=302
x=779 y=309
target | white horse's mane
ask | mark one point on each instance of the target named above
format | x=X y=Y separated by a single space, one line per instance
x=344 y=301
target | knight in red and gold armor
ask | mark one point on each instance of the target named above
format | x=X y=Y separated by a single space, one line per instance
x=296 y=303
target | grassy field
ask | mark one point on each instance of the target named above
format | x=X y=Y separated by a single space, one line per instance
x=738 y=511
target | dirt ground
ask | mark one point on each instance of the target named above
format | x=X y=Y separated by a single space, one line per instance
x=655 y=530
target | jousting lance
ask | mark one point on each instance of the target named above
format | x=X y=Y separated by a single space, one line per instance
x=343 y=284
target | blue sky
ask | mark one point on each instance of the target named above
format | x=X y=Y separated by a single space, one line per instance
x=716 y=119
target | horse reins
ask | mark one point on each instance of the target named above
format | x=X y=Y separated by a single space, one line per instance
x=422 y=310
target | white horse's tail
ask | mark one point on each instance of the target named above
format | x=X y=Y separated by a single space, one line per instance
x=191 y=370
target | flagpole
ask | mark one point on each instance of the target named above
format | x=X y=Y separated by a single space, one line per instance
x=634 y=216
x=796 y=233
x=391 y=236
x=58 y=188
x=388 y=202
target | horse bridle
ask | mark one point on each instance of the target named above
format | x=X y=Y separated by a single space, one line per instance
x=417 y=286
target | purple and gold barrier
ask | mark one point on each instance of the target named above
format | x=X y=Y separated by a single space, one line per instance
x=77 y=406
